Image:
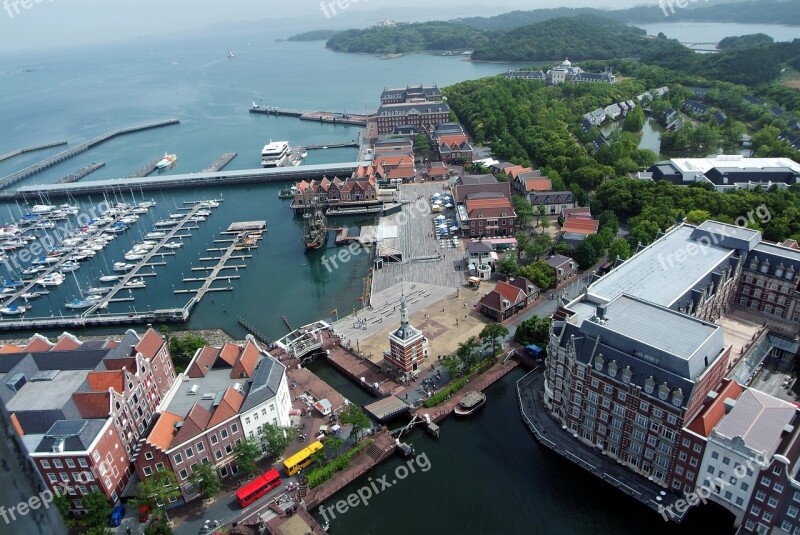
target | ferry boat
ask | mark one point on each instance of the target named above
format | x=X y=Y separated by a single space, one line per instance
x=316 y=233
x=275 y=153
x=470 y=403
x=166 y=162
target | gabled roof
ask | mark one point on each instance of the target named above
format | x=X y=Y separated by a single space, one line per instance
x=524 y=284
x=248 y=358
x=93 y=404
x=164 y=431
x=580 y=225
x=203 y=362
x=196 y=422
x=478 y=247
x=552 y=197
x=538 y=184
x=228 y=407
x=74 y=435
x=558 y=260
x=102 y=381
x=66 y=342
x=709 y=417
x=37 y=343
x=510 y=292
x=228 y=354
x=150 y=343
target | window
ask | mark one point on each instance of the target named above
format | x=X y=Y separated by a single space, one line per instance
x=64 y=477
x=711 y=470
x=672 y=419
x=622 y=396
x=679 y=470
x=792 y=511
x=148 y=456
x=82 y=463
x=786 y=526
x=223 y=433
x=57 y=463
x=739 y=501
x=682 y=456
x=234 y=428
x=714 y=455
x=697 y=448
x=70 y=463
x=200 y=447
x=183 y=473
x=760 y=495
x=178 y=458
x=247 y=421
x=686 y=443
x=644 y=406
x=766 y=481
x=228 y=448
x=693 y=461
x=767 y=516
x=728 y=495
x=189 y=453
x=755 y=510
x=52 y=478
x=218 y=455
x=213 y=439
x=159 y=467
x=45 y=463
x=778 y=488
x=147 y=470
x=772 y=502
x=744 y=486
x=726 y=460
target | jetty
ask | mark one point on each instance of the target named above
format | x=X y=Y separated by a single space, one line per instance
x=189 y=180
x=82 y=172
x=22 y=174
x=13 y=153
x=340 y=145
x=220 y=163
x=147 y=169
x=319 y=116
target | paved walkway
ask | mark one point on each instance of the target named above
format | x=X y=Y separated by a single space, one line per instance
x=550 y=433
x=416 y=240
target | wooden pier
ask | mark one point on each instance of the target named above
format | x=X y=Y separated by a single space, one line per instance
x=220 y=163
x=147 y=169
x=319 y=116
x=22 y=174
x=82 y=172
x=13 y=153
x=341 y=145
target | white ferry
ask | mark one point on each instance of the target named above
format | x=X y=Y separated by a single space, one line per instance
x=275 y=154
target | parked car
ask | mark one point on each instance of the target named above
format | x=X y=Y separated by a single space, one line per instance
x=117 y=515
x=144 y=513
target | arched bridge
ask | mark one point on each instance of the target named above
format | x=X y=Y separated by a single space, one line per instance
x=702 y=47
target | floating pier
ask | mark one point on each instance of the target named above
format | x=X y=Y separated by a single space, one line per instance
x=22 y=174
x=341 y=145
x=220 y=163
x=13 y=153
x=82 y=172
x=319 y=116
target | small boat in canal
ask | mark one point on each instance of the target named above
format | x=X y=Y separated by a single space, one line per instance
x=14 y=310
x=471 y=402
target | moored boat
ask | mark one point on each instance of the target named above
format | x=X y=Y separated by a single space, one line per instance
x=316 y=232
x=15 y=310
x=471 y=402
x=135 y=283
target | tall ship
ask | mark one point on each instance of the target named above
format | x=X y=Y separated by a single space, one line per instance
x=166 y=162
x=316 y=232
x=275 y=153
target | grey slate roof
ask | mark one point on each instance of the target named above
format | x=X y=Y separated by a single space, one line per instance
x=759 y=419
x=389 y=110
x=478 y=247
x=552 y=197
x=77 y=435
x=264 y=386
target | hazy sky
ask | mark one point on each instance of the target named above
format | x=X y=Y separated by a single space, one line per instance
x=26 y=24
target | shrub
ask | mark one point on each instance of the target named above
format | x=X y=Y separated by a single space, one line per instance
x=321 y=474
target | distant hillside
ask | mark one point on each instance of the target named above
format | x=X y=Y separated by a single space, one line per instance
x=749 y=11
x=406 y=38
x=745 y=41
x=580 y=37
x=314 y=35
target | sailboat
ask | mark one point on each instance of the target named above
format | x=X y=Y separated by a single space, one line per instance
x=316 y=233
x=230 y=54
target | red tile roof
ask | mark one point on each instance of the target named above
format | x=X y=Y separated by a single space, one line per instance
x=538 y=184
x=196 y=422
x=93 y=404
x=709 y=417
x=102 y=381
x=228 y=407
x=15 y=423
x=203 y=362
x=513 y=171
x=512 y=293
x=401 y=172
x=150 y=343
x=10 y=348
x=229 y=353
x=66 y=342
x=163 y=431
x=580 y=225
x=247 y=361
x=37 y=343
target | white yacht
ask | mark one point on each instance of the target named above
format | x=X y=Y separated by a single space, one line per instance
x=275 y=154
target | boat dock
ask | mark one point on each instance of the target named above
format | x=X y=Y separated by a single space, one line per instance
x=189 y=180
x=147 y=169
x=220 y=163
x=320 y=116
x=22 y=174
x=82 y=172
x=13 y=153
x=341 y=145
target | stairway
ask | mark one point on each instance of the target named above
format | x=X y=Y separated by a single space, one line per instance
x=374 y=452
x=302 y=490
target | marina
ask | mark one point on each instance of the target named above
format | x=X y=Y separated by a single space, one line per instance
x=82 y=172
x=220 y=163
x=22 y=174
x=147 y=169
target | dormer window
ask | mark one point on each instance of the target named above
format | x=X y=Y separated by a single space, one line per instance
x=612 y=368
x=626 y=375
x=649 y=385
x=754 y=263
x=599 y=362
x=663 y=392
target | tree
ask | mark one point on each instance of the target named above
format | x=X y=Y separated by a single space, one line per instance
x=332 y=444
x=183 y=348
x=63 y=505
x=205 y=478
x=491 y=333
x=355 y=416
x=523 y=209
x=586 y=255
x=523 y=242
x=563 y=248
x=609 y=220
x=535 y=330
x=541 y=214
x=275 y=438
x=697 y=216
x=508 y=265
x=246 y=454
x=421 y=145
x=540 y=273
x=466 y=352
x=98 y=530
x=619 y=248
x=98 y=509
x=159 y=488
x=634 y=121
x=159 y=526
x=452 y=365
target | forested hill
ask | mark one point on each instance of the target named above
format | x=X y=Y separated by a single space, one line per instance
x=754 y=11
x=406 y=38
x=314 y=35
x=580 y=37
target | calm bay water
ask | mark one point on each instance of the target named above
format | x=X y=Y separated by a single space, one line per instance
x=711 y=32
x=488 y=474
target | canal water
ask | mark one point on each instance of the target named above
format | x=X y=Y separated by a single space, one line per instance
x=651 y=133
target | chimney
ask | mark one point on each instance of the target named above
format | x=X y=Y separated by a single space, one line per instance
x=729 y=404
x=601 y=312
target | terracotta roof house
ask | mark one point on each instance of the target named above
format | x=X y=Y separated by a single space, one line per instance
x=503 y=302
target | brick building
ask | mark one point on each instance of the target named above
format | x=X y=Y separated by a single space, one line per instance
x=407 y=345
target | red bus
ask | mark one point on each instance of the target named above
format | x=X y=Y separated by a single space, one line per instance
x=258 y=487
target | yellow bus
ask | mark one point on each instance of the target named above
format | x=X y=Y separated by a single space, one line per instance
x=301 y=459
